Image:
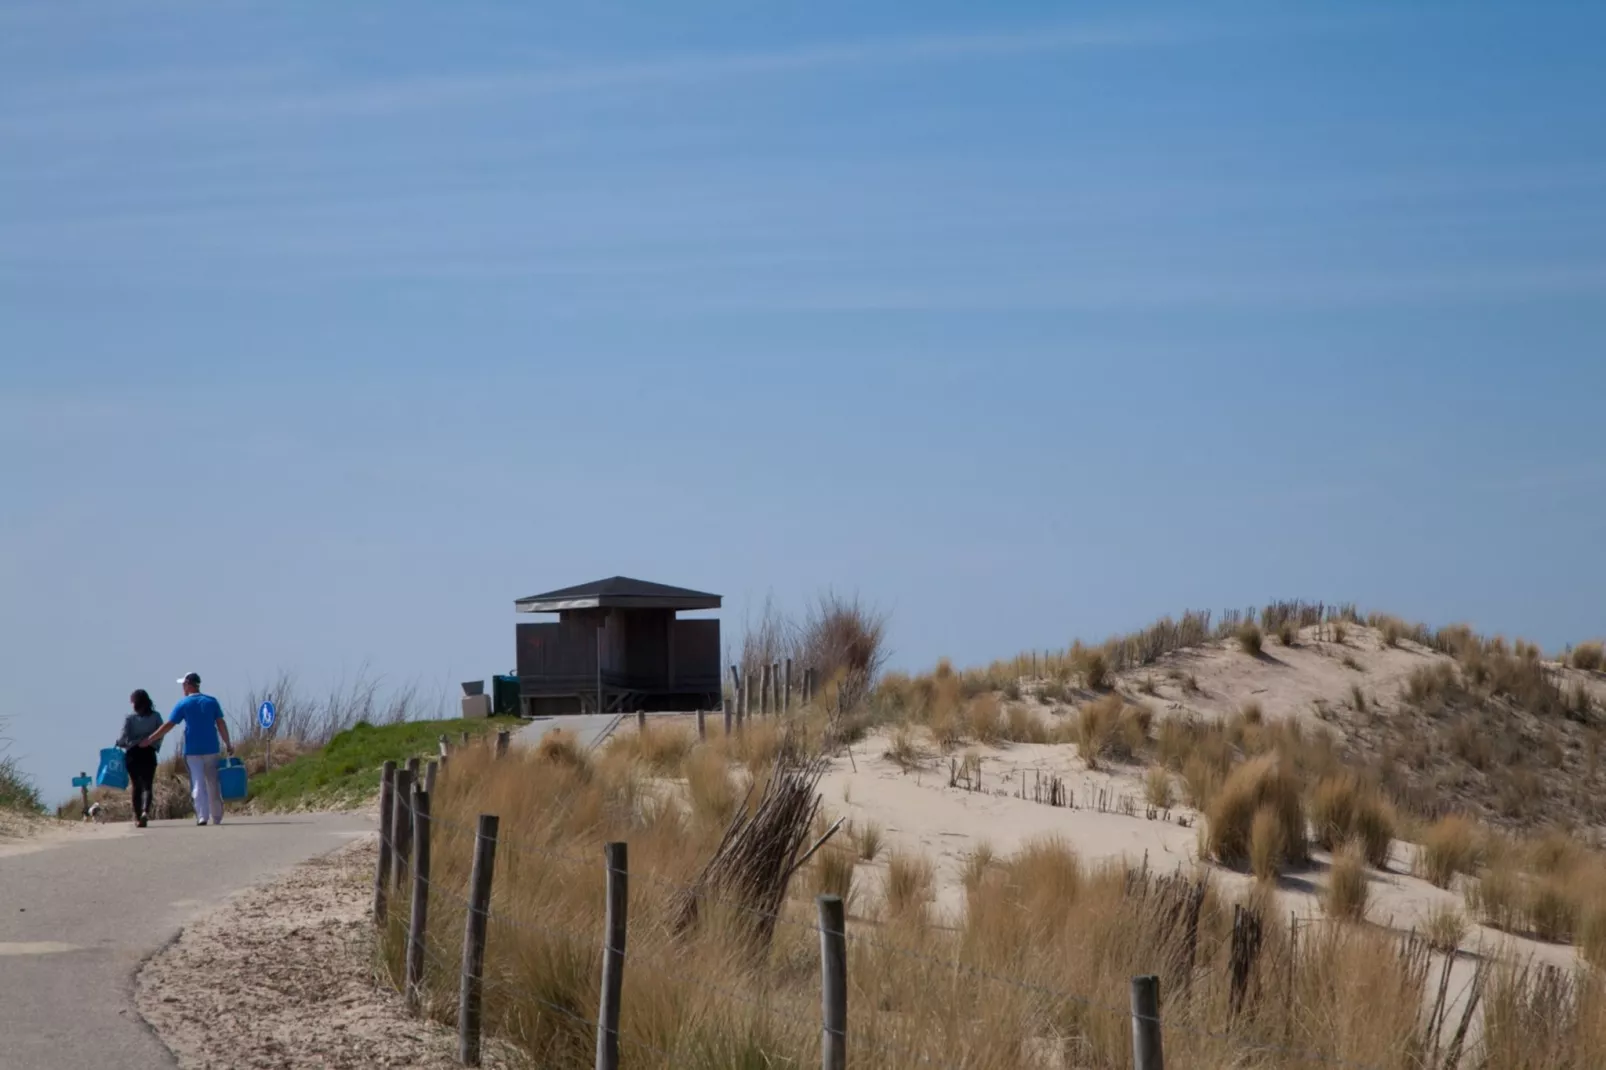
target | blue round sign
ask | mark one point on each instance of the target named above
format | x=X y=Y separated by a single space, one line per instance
x=265 y=715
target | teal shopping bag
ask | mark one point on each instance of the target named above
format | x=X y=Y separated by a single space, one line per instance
x=231 y=778
x=113 y=771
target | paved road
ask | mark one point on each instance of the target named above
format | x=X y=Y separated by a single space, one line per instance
x=78 y=917
x=589 y=728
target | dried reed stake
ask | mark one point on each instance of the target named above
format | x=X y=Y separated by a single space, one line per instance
x=754 y=862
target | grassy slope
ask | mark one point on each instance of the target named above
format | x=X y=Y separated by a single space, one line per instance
x=17 y=792
x=346 y=772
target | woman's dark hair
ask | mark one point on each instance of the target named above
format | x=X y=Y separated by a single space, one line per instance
x=141 y=700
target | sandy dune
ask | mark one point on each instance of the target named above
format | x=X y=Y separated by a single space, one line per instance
x=919 y=810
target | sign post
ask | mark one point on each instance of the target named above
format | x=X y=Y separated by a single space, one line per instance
x=266 y=715
x=82 y=782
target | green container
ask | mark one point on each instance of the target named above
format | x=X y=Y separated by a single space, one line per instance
x=504 y=695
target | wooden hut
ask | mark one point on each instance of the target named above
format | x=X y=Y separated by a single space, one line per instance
x=617 y=645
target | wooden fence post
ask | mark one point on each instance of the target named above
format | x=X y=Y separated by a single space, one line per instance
x=786 y=703
x=443 y=745
x=833 y=983
x=502 y=738
x=401 y=826
x=465 y=737
x=387 y=779
x=418 y=922
x=641 y=719
x=613 y=955
x=472 y=986
x=1146 y=1048
x=775 y=686
x=725 y=708
x=414 y=764
x=764 y=691
x=431 y=771
x=702 y=725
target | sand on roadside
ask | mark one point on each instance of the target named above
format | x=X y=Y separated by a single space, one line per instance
x=22 y=834
x=282 y=976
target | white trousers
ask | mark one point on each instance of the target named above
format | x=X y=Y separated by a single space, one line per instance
x=204 y=788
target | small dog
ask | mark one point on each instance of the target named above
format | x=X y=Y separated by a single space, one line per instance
x=93 y=813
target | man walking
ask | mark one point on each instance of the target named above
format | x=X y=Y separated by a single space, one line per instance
x=205 y=735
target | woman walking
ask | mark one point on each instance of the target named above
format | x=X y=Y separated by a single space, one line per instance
x=138 y=727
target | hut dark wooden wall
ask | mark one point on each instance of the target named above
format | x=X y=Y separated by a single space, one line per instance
x=649 y=659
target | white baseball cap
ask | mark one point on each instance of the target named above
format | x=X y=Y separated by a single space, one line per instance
x=191 y=678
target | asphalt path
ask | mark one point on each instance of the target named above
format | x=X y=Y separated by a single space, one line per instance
x=80 y=914
x=589 y=729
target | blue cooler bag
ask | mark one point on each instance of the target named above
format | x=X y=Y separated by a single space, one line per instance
x=113 y=771
x=231 y=778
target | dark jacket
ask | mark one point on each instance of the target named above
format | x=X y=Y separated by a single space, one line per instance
x=138 y=726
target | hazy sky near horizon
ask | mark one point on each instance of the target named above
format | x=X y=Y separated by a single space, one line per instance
x=328 y=330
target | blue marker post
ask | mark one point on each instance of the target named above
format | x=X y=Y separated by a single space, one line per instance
x=266 y=715
x=82 y=782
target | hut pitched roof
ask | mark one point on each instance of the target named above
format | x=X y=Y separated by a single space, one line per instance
x=617 y=592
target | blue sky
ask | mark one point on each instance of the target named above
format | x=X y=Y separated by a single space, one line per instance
x=328 y=330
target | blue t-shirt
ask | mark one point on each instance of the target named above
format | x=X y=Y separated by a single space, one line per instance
x=199 y=714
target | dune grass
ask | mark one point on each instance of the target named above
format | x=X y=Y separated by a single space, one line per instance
x=1346 y=893
x=662 y=749
x=1039 y=917
x=1450 y=845
x=1344 y=809
x=1261 y=786
x=1157 y=789
x=1446 y=926
x=1109 y=729
x=1250 y=639
x=868 y=837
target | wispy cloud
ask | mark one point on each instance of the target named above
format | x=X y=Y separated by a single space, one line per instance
x=295 y=99
x=1174 y=289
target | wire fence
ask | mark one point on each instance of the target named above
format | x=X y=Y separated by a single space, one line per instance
x=403 y=874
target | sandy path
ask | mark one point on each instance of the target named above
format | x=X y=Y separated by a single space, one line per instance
x=283 y=977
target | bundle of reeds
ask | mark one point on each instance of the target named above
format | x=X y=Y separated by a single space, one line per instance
x=752 y=867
